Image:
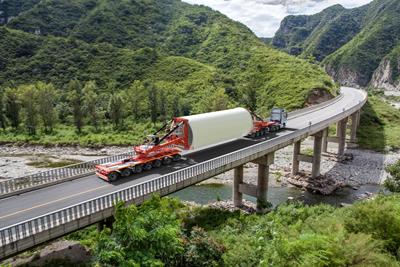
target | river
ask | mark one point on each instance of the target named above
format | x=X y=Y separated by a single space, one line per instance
x=205 y=193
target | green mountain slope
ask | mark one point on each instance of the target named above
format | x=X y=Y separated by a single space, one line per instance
x=356 y=61
x=321 y=34
x=174 y=57
x=162 y=29
x=350 y=43
x=12 y=8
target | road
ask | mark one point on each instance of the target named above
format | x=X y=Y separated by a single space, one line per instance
x=26 y=206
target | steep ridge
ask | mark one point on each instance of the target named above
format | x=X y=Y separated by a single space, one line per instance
x=351 y=43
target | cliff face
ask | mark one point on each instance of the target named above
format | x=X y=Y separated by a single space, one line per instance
x=355 y=45
x=386 y=76
x=318 y=35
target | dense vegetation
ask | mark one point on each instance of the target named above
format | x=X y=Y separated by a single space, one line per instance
x=379 y=126
x=392 y=183
x=143 y=60
x=321 y=34
x=350 y=43
x=165 y=232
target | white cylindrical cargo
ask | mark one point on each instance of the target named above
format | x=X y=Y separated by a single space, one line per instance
x=218 y=127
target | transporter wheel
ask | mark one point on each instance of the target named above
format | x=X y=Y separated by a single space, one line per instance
x=177 y=157
x=138 y=169
x=157 y=163
x=148 y=166
x=126 y=172
x=112 y=177
x=167 y=161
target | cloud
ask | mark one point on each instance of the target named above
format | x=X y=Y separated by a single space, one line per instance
x=264 y=16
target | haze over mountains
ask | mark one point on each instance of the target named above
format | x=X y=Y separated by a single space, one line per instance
x=358 y=46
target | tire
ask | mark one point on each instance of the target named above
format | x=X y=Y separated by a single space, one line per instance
x=167 y=161
x=126 y=172
x=138 y=168
x=148 y=166
x=157 y=163
x=112 y=177
x=176 y=158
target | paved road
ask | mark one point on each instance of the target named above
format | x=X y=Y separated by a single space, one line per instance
x=39 y=202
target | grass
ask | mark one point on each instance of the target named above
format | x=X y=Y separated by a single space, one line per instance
x=379 y=126
x=278 y=176
x=308 y=152
x=51 y=162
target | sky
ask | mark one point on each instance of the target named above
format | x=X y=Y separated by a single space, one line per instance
x=263 y=17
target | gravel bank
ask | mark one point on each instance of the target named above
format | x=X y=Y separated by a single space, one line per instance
x=366 y=167
x=17 y=161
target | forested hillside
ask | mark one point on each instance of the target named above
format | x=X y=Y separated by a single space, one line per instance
x=152 y=59
x=356 y=45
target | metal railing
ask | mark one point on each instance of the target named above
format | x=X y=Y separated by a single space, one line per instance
x=55 y=175
x=46 y=178
x=16 y=232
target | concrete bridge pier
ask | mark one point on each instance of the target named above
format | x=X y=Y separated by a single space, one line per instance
x=341 y=135
x=259 y=191
x=355 y=122
x=315 y=159
x=106 y=223
x=325 y=134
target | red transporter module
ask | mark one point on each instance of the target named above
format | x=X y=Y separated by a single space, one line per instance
x=191 y=133
x=154 y=153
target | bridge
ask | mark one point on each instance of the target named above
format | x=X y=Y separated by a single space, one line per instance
x=44 y=206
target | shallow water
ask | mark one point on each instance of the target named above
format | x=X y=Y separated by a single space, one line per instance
x=206 y=193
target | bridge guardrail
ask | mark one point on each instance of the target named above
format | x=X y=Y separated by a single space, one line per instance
x=46 y=178
x=40 y=179
x=11 y=234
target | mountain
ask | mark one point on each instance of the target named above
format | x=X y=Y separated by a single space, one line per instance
x=125 y=40
x=11 y=9
x=356 y=46
x=321 y=34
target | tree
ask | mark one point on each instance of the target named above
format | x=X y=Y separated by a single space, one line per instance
x=392 y=183
x=115 y=110
x=250 y=98
x=27 y=95
x=153 y=102
x=176 y=106
x=76 y=101
x=136 y=100
x=12 y=107
x=148 y=235
x=2 y=111
x=163 y=105
x=46 y=98
x=90 y=103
